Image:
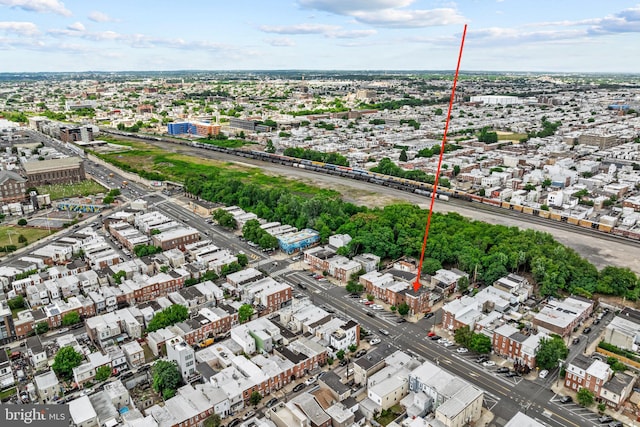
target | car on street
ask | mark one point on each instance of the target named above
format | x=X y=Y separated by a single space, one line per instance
x=271 y=402
x=448 y=344
x=435 y=337
x=512 y=374
x=428 y=315
x=374 y=341
x=431 y=334
x=543 y=373
x=462 y=350
x=566 y=399
x=482 y=358
x=401 y=320
x=586 y=330
x=616 y=424
x=502 y=370
x=605 y=419
x=311 y=380
x=597 y=321
x=488 y=363
x=343 y=362
x=371 y=314
x=248 y=415
x=299 y=387
x=361 y=353
x=234 y=422
x=363 y=300
x=383 y=331
x=369 y=302
x=576 y=340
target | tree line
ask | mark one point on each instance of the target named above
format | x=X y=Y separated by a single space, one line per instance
x=316 y=156
x=487 y=252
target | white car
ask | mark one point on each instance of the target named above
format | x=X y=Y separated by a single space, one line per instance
x=543 y=373
x=376 y=307
x=248 y=415
x=310 y=380
x=447 y=344
x=488 y=363
x=462 y=350
x=374 y=341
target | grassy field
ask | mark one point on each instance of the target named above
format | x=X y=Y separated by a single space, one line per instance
x=9 y=392
x=511 y=136
x=32 y=234
x=177 y=167
x=62 y=191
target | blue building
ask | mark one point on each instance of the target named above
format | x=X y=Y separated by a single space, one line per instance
x=298 y=240
x=177 y=128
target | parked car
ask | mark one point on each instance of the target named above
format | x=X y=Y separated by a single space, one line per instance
x=481 y=359
x=543 y=373
x=311 y=380
x=343 y=362
x=299 y=387
x=616 y=424
x=361 y=353
x=512 y=374
x=401 y=320
x=383 y=331
x=566 y=399
x=596 y=322
x=502 y=370
x=428 y=315
x=374 y=341
x=586 y=330
x=248 y=415
x=488 y=363
x=234 y=422
x=271 y=402
x=576 y=340
x=435 y=337
x=431 y=334
x=371 y=314
x=369 y=302
x=605 y=419
x=462 y=350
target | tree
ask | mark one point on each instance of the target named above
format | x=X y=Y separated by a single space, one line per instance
x=550 y=351
x=269 y=148
x=585 y=397
x=117 y=277
x=66 y=359
x=480 y=343
x=463 y=336
x=167 y=317
x=22 y=222
x=22 y=239
x=70 y=318
x=403 y=155
x=243 y=260
x=166 y=377
x=403 y=309
x=213 y=421
x=245 y=312
x=340 y=354
x=370 y=297
x=463 y=284
x=438 y=112
x=255 y=398
x=354 y=287
x=16 y=303
x=107 y=200
x=353 y=348
x=102 y=373
x=41 y=328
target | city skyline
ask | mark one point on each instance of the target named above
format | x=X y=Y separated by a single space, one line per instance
x=503 y=35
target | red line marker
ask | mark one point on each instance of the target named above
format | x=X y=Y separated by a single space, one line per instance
x=416 y=284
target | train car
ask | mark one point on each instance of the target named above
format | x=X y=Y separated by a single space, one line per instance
x=555 y=216
x=585 y=223
x=604 y=227
x=527 y=210
x=573 y=220
x=506 y=205
x=491 y=202
x=544 y=214
x=517 y=208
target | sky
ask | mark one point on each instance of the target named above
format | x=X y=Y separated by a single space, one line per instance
x=159 y=35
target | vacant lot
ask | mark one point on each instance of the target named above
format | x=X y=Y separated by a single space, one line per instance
x=510 y=136
x=62 y=191
x=10 y=235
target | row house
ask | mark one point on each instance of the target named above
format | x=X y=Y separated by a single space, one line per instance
x=208 y=323
x=175 y=238
x=147 y=288
x=583 y=372
x=268 y=295
x=447 y=280
x=243 y=277
x=561 y=317
x=342 y=268
x=127 y=236
x=509 y=342
x=376 y=283
x=318 y=257
x=133 y=353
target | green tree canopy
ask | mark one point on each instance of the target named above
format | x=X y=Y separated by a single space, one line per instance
x=102 y=373
x=585 y=397
x=550 y=351
x=463 y=336
x=41 y=328
x=403 y=309
x=166 y=377
x=255 y=398
x=480 y=343
x=245 y=312
x=71 y=318
x=167 y=317
x=66 y=359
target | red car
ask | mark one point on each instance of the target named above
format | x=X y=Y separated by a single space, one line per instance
x=368 y=303
x=431 y=334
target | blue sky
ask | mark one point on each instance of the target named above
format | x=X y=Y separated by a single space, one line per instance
x=517 y=35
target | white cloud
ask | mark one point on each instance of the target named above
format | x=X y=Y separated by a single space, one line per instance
x=393 y=18
x=22 y=28
x=347 y=7
x=76 y=26
x=387 y=13
x=299 y=29
x=96 y=16
x=41 y=6
x=280 y=42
